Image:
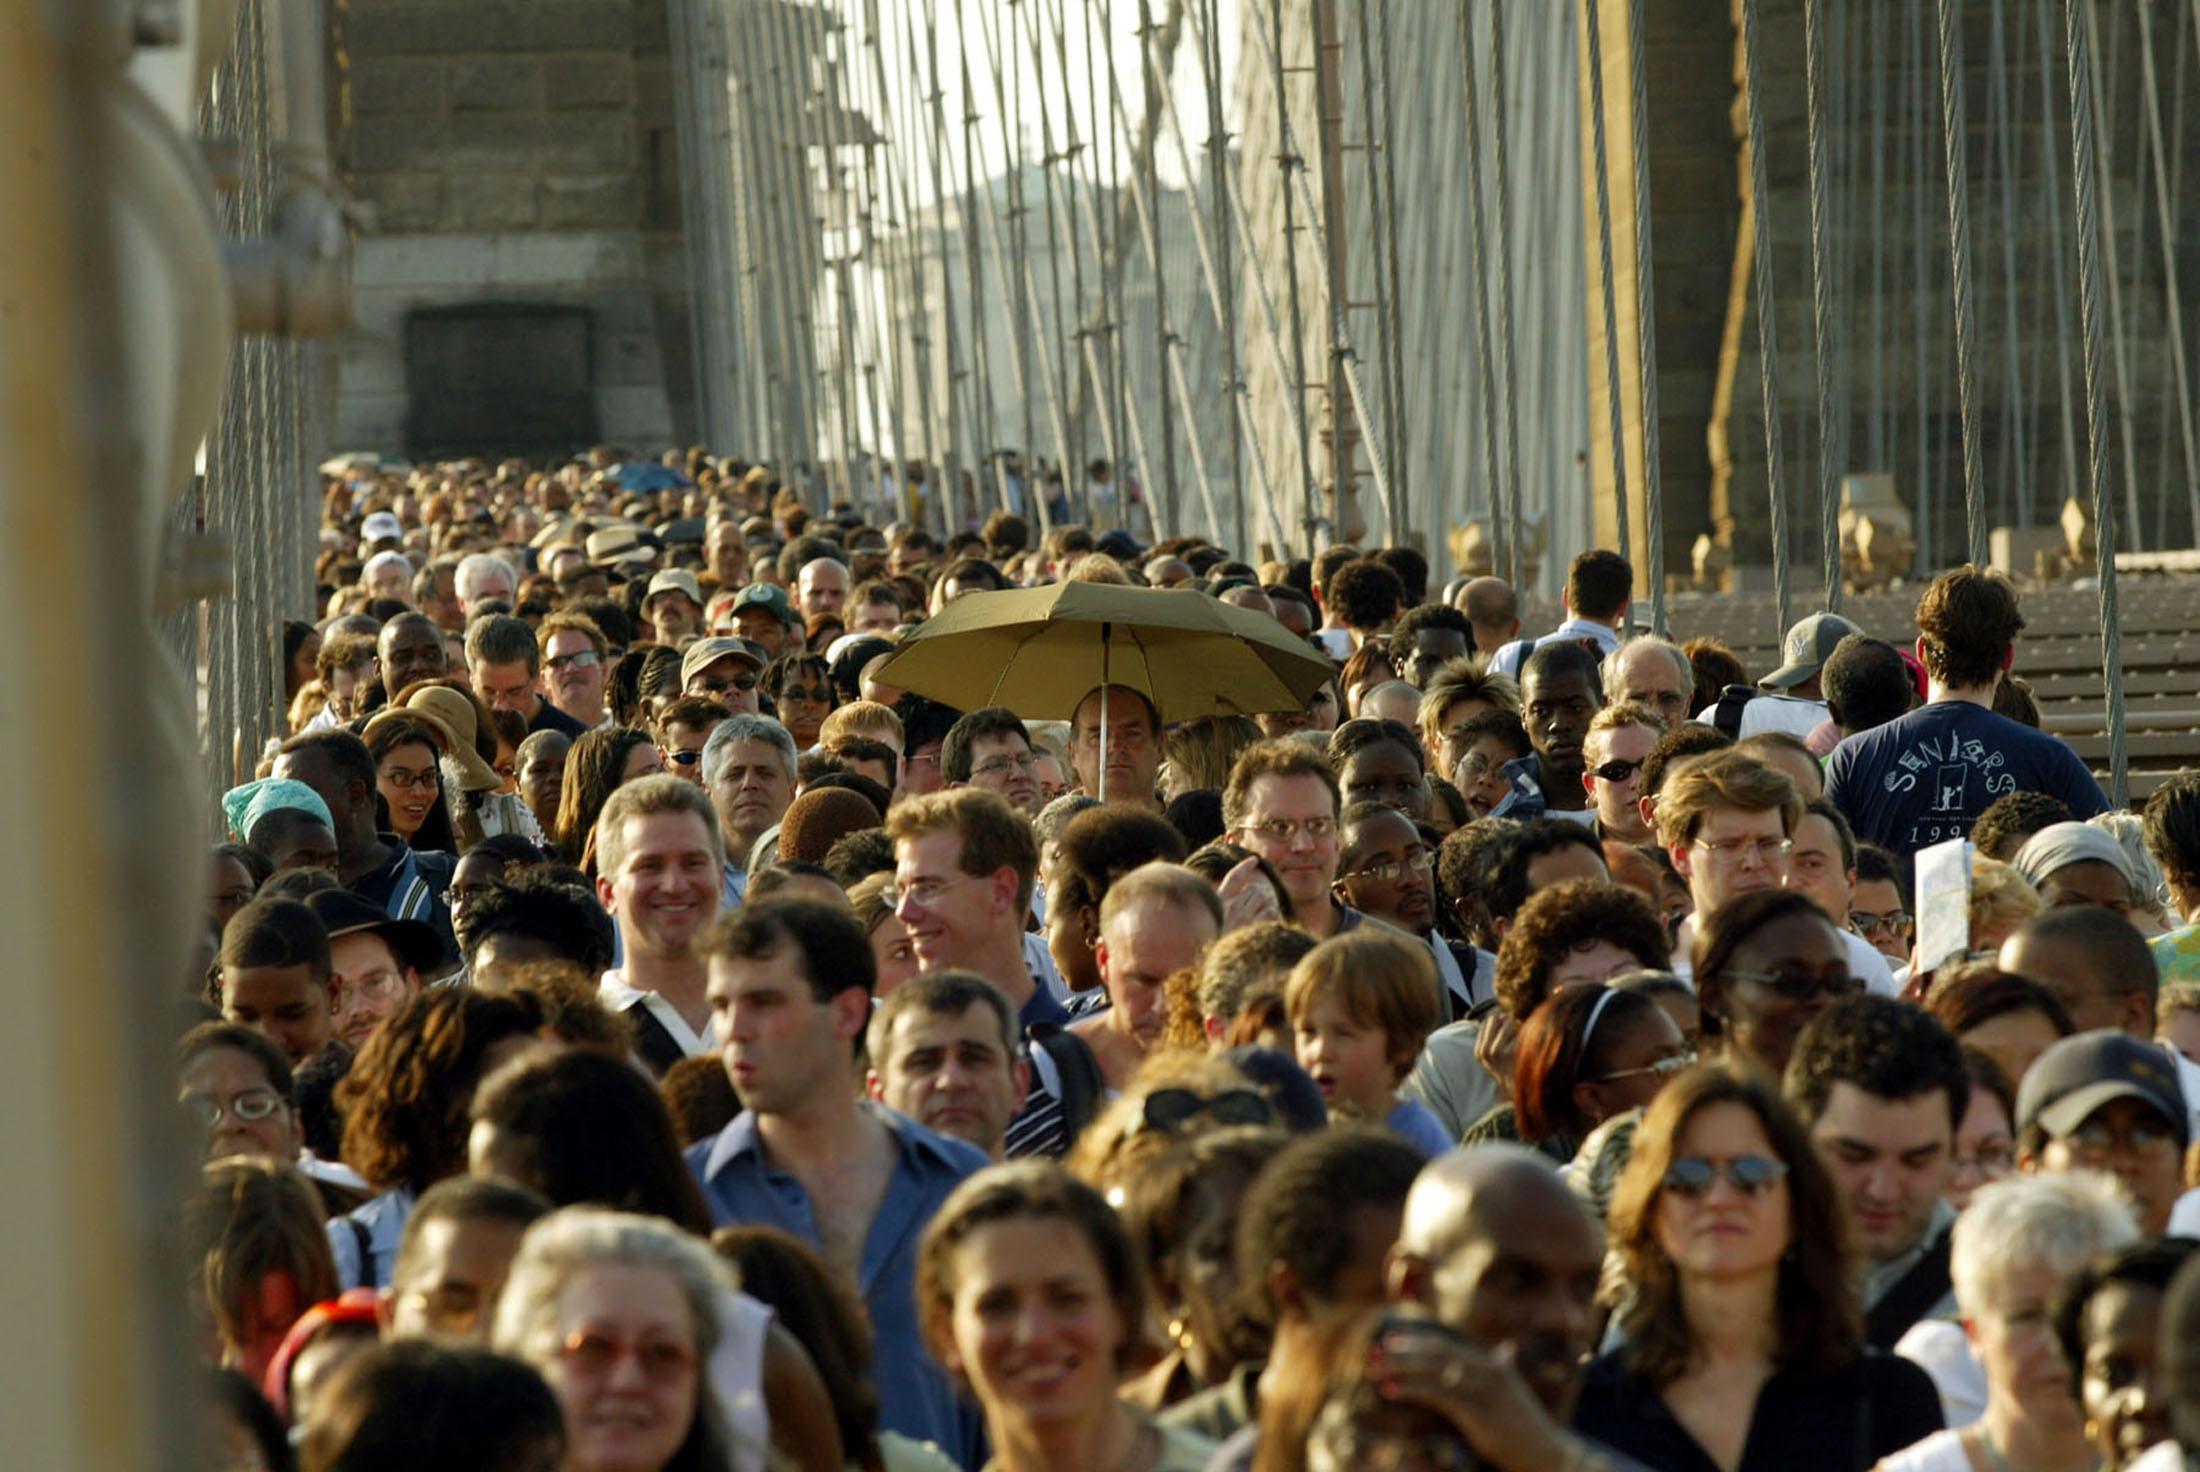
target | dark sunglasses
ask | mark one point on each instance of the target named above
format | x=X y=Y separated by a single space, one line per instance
x=1169 y=1110
x=683 y=758
x=1615 y=770
x=1798 y=984
x=1752 y=1175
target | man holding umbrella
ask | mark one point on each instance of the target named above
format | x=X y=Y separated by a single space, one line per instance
x=1133 y=749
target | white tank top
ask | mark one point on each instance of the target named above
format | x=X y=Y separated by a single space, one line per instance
x=737 y=1377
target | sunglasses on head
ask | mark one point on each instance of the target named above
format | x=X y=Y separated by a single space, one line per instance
x=1169 y=1110
x=1752 y=1175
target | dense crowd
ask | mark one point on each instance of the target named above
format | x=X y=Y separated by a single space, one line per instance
x=636 y=1035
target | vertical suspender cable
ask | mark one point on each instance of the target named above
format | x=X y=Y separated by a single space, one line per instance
x=1955 y=140
x=1382 y=222
x=1646 y=332
x=2065 y=333
x=1394 y=309
x=953 y=514
x=985 y=451
x=1501 y=529
x=2084 y=166
x=1617 y=416
x=1150 y=192
x=1768 y=345
x=2016 y=468
x=2119 y=356
x=1508 y=547
x=1879 y=451
x=1286 y=161
x=1923 y=493
x=2174 y=297
x=1225 y=270
x=1821 y=302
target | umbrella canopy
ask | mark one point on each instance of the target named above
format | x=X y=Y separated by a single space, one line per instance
x=644 y=475
x=1039 y=651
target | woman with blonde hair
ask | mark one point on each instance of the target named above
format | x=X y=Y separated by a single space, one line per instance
x=1742 y=1335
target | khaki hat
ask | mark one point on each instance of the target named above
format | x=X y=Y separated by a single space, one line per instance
x=453 y=715
x=706 y=652
x=675 y=580
x=621 y=542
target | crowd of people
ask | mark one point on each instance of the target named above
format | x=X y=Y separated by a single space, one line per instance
x=634 y=1035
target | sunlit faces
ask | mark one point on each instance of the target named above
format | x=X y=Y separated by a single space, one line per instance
x=1479 y=774
x=232 y=1095
x=2014 y=1336
x=750 y=790
x=622 y=1357
x=1758 y=1021
x=1816 y=867
x=953 y=918
x=1133 y=748
x=674 y=615
x=1726 y=1232
x=1891 y=1161
x=952 y=1072
x=822 y=587
x=409 y=781
x=1141 y=947
x=292 y=1005
x=666 y=886
x=511 y=687
x=575 y=672
x=1032 y=1325
x=1614 y=797
x=1291 y=821
x=2129 y=1139
x=1389 y=773
x=1432 y=647
x=2088 y=882
x=1557 y=710
x=1632 y=1076
x=370 y=982
x=2014 y=1040
x=1005 y=763
x=1350 y=1060
x=1385 y=870
x=1733 y=852
x=455 y=1272
x=2118 y=1388
x=1986 y=1147
x=1877 y=913
x=1649 y=675
x=781 y=1043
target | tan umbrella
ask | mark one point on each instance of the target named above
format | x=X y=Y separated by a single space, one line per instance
x=1041 y=651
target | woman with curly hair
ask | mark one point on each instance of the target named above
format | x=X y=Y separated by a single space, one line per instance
x=1578 y=933
x=1742 y=1338
x=406 y=1106
x=600 y=763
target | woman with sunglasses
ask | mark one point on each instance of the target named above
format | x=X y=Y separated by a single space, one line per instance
x=620 y=1313
x=1586 y=1055
x=1742 y=1336
x=801 y=687
x=1766 y=964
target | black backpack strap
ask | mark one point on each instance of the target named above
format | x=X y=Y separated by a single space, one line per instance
x=1083 y=1088
x=1924 y=1285
x=1726 y=715
x=653 y=1044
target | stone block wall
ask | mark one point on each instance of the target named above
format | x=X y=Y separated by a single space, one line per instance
x=521 y=151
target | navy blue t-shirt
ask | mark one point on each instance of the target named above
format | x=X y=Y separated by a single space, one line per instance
x=1924 y=778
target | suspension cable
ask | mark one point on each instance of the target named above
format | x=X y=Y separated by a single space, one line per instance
x=2084 y=166
x=1821 y=301
x=1646 y=331
x=1768 y=347
x=1607 y=282
x=1509 y=546
x=2174 y=299
x=1501 y=530
x=1955 y=149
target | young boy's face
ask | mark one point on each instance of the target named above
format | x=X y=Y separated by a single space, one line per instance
x=1351 y=1062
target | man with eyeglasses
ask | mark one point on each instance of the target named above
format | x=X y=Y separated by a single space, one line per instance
x=1728 y=821
x=1881 y=1087
x=574 y=666
x=238 y=1085
x=1619 y=738
x=726 y=670
x=1877 y=910
x=374 y=961
x=1281 y=803
x=1385 y=870
x=989 y=748
x=2107 y=1101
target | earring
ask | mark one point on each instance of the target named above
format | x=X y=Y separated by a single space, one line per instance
x=1180 y=1333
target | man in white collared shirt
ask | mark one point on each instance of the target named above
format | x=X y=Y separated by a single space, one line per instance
x=658 y=857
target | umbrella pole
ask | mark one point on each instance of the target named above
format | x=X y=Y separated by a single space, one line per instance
x=1107 y=632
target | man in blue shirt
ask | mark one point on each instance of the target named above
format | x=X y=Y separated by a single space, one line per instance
x=1924 y=778
x=790 y=995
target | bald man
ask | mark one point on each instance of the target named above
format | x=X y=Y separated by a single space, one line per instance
x=1494 y=609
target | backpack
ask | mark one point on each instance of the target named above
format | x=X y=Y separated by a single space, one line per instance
x=1083 y=1090
x=1726 y=714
